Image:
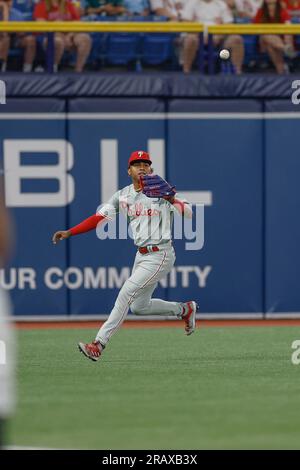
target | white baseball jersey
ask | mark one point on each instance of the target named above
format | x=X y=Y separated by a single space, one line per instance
x=150 y=219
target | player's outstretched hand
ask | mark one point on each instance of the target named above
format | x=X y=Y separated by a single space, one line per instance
x=61 y=235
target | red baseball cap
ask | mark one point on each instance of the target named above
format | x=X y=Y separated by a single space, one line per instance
x=139 y=155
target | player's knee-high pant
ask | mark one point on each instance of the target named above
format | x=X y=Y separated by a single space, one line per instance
x=137 y=290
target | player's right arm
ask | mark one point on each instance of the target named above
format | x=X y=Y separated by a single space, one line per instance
x=104 y=213
x=85 y=226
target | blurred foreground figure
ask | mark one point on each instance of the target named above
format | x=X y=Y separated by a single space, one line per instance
x=7 y=340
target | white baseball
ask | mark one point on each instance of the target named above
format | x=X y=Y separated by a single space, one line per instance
x=224 y=54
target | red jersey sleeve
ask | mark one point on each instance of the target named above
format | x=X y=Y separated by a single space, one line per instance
x=73 y=11
x=285 y=16
x=258 y=16
x=86 y=225
x=40 y=11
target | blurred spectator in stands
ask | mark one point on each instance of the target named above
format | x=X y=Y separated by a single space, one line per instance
x=171 y=9
x=210 y=12
x=25 y=6
x=23 y=40
x=80 y=5
x=137 y=7
x=244 y=8
x=275 y=45
x=105 y=7
x=293 y=7
x=3 y=11
x=64 y=10
x=4 y=37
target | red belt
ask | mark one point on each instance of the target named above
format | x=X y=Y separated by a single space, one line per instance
x=148 y=249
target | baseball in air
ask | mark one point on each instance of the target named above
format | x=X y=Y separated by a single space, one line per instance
x=224 y=54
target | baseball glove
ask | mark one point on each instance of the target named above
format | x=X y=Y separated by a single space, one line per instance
x=155 y=186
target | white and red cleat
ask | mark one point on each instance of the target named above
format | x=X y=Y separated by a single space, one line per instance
x=189 y=316
x=91 y=350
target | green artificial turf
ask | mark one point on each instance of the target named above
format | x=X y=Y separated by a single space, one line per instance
x=221 y=388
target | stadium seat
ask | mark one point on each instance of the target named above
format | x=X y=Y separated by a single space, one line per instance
x=156 y=48
x=97 y=53
x=250 y=42
x=24 y=6
x=296 y=37
x=121 y=48
x=139 y=18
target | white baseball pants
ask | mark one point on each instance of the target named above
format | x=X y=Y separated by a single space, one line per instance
x=137 y=291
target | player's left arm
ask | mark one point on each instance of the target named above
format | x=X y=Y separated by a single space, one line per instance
x=182 y=207
x=155 y=186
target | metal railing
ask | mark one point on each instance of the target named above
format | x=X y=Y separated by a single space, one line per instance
x=144 y=27
x=100 y=27
x=95 y=26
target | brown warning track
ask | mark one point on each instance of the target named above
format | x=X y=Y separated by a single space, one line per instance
x=155 y=324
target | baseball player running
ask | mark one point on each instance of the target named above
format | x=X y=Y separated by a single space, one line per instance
x=149 y=204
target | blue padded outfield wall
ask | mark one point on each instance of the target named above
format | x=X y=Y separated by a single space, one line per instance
x=63 y=156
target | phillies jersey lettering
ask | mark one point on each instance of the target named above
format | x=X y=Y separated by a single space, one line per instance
x=150 y=219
